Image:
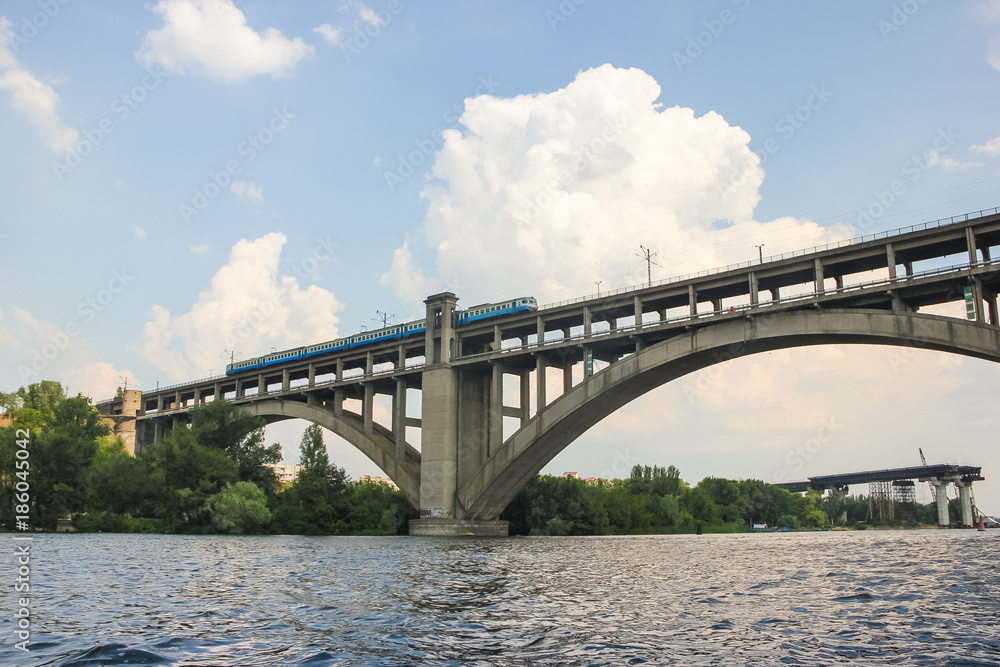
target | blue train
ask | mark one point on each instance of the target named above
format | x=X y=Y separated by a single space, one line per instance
x=395 y=332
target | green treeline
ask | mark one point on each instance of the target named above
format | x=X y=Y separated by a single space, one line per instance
x=209 y=478
x=213 y=477
x=656 y=500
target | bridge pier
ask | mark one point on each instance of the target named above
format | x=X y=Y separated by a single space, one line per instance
x=965 y=502
x=941 y=493
x=457 y=527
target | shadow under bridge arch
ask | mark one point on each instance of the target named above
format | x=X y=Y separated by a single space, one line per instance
x=379 y=445
x=527 y=451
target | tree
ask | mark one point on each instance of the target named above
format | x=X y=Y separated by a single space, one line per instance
x=239 y=508
x=186 y=474
x=223 y=426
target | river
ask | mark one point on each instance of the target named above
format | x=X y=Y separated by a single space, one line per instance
x=922 y=597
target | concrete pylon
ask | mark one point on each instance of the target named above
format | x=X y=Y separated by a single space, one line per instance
x=941 y=492
x=965 y=501
x=440 y=431
x=839 y=494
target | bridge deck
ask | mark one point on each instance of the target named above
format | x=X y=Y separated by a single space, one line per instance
x=616 y=323
x=938 y=471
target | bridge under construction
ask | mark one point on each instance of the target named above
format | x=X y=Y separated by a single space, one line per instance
x=895 y=485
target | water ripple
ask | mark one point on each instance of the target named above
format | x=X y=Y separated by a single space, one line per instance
x=913 y=597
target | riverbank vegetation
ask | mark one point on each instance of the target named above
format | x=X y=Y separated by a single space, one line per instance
x=214 y=477
x=210 y=478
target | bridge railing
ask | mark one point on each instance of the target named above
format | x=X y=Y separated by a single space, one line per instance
x=833 y=245
x=740 y=309
x=709 y=272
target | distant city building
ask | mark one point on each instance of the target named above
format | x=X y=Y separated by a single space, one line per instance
x=285 y=472
x=571 y=474
x=593 y=481
x=380 y=480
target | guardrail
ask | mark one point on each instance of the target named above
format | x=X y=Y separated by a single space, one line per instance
x=868 y=238
x=735 y=310
x=710 y=272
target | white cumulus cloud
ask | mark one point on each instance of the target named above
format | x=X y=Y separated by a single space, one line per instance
x=35 y=100
x=249 y=191
x=991 y=147
x=330 y=34
x=200 y=249
x=553 y=191
x=98 y=380
x=249 y=308
x=138 y=232
x=212 y=37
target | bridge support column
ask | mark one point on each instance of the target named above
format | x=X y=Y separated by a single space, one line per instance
x=157 y=431
x=439 y=416
x=978 y=297
x=587 y=321
x=890 y=260
x=637 y=307
x=540 y=383
x=692 y=301
x=525 y=396
x=970 y=242
x=261 y=385
x=838 y=494
x=941 y=493
x=286 y=382
x=754 y=295
x=991 y=305
x=820 y=278
x=368 y=407
x=197 y=396
x=312 y=374
x=567 y=376
x=399 y=418
x=497 y=337
x=965 y=501
x=496 y=409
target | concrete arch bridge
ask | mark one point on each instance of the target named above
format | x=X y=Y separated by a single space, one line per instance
x=865 y=291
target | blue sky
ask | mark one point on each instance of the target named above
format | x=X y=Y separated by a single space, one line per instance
x=287 y=159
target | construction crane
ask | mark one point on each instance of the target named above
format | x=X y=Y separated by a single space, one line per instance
x=923 y=462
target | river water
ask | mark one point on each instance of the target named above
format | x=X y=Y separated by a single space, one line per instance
x=888 y=597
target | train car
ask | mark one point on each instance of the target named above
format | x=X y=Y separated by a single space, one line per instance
x=329 y=346
x=398 y=331
x=414 y=328
x=486 y=311
x=370 y=337
x=266 y=360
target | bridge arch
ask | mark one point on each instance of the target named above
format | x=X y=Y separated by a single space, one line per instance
x=379 y=445
x=527 y=451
